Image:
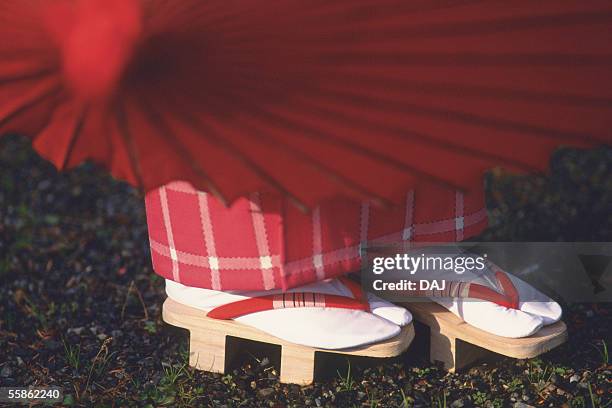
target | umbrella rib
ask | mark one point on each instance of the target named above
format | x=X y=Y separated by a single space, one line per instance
x=448 y=146
x=236 y=152
x=334 y=176
x=339 y=35
x=504 y=24
x=364 y=10
x=54 y=90
x=183 y=152
x=452 y=59
x=459 y=116
x=360 y=11
x=449 y=88
x=23 y=77
x=128 y=140
x=231 y=21
x=419 y=137
x=74 y=136
x=312 y=132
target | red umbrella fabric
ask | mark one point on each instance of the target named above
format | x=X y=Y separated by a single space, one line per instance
x=312 y=99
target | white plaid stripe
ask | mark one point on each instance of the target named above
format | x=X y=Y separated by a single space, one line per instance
x=331 y=257
x=459 y=218
x=163 y=197
x=180 y=187
x=363 y=223
x=317 y=244
x=209 y=240
x=350 y=253
x=261 y=239
x=405 y=234
x=388 y=239
x=320 y=261
x=305 y=264
x=220 y=263
x=408 y=227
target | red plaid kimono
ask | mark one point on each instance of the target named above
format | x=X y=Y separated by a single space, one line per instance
x=264 y=243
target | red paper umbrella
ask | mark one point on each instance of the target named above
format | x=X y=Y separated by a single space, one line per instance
x=308 y=98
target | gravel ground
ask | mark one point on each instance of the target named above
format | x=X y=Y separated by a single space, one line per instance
x=80 y=307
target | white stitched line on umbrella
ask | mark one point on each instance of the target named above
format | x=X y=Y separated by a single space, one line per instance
x=209 y=240
x=163 y=197
x=459 y=219
x=261 y=238
x=317 y=244
x=407 y=233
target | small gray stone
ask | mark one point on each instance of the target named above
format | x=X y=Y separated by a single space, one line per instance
x=457 y=404
x=6 y=371
x=76 y=330
x=574 y=378
x=266 y=392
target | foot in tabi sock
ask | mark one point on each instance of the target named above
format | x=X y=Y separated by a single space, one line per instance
x=490 y=299
x=330 y=314
x=532 y=310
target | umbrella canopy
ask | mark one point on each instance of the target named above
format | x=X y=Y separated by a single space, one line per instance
x=312 y=99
